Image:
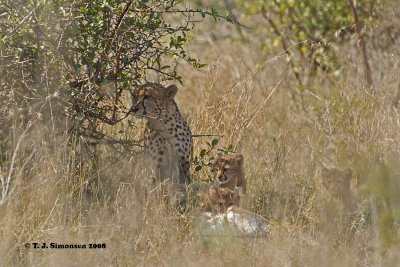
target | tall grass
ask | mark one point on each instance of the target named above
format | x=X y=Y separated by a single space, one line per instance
x=70 y=191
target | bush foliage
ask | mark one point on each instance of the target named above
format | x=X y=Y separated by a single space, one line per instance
x=91 y=51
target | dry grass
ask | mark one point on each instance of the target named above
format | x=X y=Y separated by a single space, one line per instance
x=67 y=191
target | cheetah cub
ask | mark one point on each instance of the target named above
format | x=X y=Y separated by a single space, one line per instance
x=219 y=199
x=230 y=184
x=338 y=184
x=168 y=141
x=229 y=171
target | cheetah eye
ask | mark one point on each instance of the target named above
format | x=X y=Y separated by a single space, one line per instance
x=146 y=97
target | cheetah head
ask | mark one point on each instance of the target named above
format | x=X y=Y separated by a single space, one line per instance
x=337 y=182
x=229 y=171
x=151 y=100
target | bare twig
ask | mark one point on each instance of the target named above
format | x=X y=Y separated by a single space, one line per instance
x=202 y=135
x=21 y=22
x=112 y=40
x=367 y=68
x=117 y=91
x=195 y=11
x=110 y=141
x=284 y=44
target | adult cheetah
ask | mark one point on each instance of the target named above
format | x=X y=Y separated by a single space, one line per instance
x=168 y=141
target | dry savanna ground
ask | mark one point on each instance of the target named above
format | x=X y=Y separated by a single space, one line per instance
x=67 y=190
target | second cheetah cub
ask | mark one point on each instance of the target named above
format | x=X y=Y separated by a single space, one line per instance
x=338 y=184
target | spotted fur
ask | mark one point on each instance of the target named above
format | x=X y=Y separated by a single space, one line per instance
x=167 y=137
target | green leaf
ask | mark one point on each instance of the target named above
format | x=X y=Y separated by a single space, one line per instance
x=214 y=142
x=203 y=153
x=198 y=168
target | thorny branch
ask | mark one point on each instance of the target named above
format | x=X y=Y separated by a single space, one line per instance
x=285 y=47
x=361 y=42
x=207 y=135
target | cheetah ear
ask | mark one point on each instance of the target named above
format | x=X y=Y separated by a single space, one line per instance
x=240 y=159
x=171 y=91
x=348 y=174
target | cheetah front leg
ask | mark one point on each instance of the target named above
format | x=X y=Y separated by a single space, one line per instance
x=184 y=173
